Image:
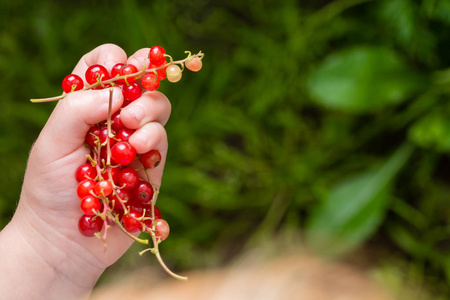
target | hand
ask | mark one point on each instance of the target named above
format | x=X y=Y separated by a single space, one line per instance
x=46 y=221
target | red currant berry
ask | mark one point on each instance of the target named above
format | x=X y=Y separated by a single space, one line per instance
x=123 y=153
x=157 y=212
x=157 y=56
x=150 y=82
x=116 y=122
x=148 y=214
x=124 y=134
x=148 y=209
x=115 y=173
x=125 y=103
x=103 y=155
x=85 y=187
x=89 y=225
x=103 y=188
x=95 y=73
x=103 y=135
x=118 y=210
x=194 y=64
x=92 y=136
x=131 y=91
x=115 y=71
x=128 y=178
x=127 y=70
x=129 y=221
x=85 y=171
x=90 y=205
x=161 y=72
x=72 y=82
x=143 y=193
x=151 y=159
x=120 y=194
x=162 y=229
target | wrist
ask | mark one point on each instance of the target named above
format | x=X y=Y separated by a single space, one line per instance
x=42 y=261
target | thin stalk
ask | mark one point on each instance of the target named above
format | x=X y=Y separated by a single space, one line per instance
x=139 y=240
x=124 y=77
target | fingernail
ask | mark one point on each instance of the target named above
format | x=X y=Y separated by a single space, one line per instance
x=139 y=138
x=116 y=94
x=137 y=112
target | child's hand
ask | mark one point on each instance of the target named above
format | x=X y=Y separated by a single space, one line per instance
x=45 y=225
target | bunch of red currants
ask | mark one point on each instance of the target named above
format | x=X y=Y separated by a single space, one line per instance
x=114 y=185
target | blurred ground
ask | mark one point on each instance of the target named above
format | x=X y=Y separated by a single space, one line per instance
x=298 y=276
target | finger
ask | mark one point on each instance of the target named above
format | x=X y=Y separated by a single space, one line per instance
x=148 y=137
x=71 y=119
x=155 y=137
x=140 y=58
x=151 y=106
x=106 y=55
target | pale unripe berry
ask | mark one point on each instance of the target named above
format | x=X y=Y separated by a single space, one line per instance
x=173 y=73
x=194 y=64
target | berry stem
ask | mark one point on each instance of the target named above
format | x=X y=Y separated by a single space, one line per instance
x=163 y=265
x=139 y=240
x=156 y=241
x=109 y=135
x=105 y=221
x=124 y=77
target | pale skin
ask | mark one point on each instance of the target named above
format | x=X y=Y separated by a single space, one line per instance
x=42 y=253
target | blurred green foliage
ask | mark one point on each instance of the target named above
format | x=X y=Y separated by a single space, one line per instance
x=326 y=117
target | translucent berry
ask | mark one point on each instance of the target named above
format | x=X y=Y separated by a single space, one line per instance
x=194 y=64
x=173 y=73
x=162 y=229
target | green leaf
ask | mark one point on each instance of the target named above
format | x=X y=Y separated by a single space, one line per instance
x=363 y=79
x=410 y=243
x=354 y=208
x=432 y=132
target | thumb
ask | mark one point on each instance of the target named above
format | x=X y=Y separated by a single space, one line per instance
x=72 y=117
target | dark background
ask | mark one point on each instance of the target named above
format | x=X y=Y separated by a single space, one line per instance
x=324 y=122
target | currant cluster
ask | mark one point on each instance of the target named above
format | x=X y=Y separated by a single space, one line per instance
x=114 y=185
x=110 y=191
x=129 y=78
